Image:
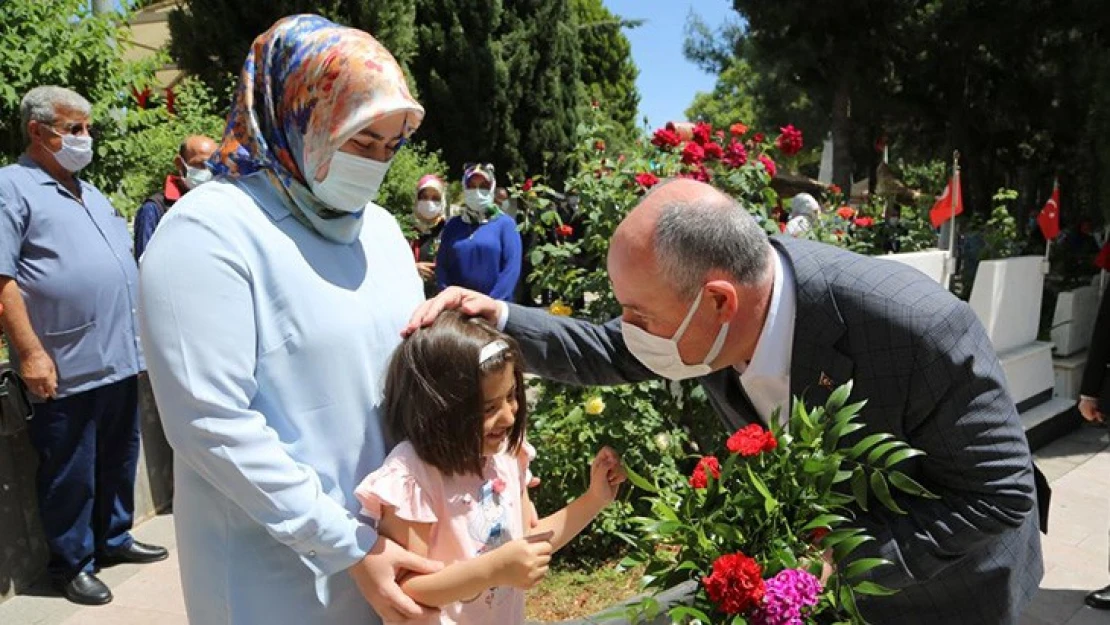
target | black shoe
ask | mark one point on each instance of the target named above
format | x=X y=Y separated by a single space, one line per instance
x=1099 y=599
x=86 y=589
x=135 y=553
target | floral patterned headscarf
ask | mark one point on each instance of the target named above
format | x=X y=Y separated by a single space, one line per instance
x=307 y=86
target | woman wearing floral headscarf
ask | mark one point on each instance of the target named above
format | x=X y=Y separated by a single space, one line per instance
x=481 y=248
x=272 y=299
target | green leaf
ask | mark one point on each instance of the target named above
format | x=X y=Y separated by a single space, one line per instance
x=867 y=443
x=844 y=549
x=769 y=501
x=836 y=537
x=823 y=520
x=873 y=589
x=739 y=620
x=849 y=412
x=686 y=612
x=881 y=489
x=838 y=397
x=902 y=456
x=881 y=450
x=910 y=486
x=639 y=482
x=863 y=565
x=847 y=601
x=859 y=487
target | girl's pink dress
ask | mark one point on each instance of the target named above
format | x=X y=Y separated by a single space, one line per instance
x=470 y=515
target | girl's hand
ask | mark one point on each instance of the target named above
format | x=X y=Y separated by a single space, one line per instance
x=606 y=475
x=523 y=563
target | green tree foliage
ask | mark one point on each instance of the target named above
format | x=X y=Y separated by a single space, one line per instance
x=732 y=99
x=398 y=191
x=608 y=72
x=211 y=38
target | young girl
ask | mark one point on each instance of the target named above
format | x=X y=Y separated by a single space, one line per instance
x=455 y=488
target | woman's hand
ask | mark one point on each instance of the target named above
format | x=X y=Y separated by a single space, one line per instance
x=606 y=475
x=376 y=577
x=426 y=270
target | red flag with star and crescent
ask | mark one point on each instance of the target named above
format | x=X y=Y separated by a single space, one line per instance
x=949 y=204
x=1049 y=219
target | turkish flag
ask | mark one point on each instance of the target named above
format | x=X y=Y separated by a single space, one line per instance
x=1049 y=219
x=949 y=204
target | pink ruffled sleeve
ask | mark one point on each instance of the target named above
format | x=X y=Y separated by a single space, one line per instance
x=524 y=457
x=397 y=484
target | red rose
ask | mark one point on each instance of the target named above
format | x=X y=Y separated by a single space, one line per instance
x=738 y=129
x=699 y=479
x=527 y=186
x=693 y=154
x=647 y=180
x=790 y=141
x=758 y=137
x=817 y=535
x=846 y=212
x=751 y=440
x=735 y=155
x=714 y=151
x=834 y=189
x=665 y=138
x=720 y=134
x=768 y=164
x=702 y=131
x=564 y=230
x=599 y=145
x=782 y=226
x=864 y=222
x=736 y=583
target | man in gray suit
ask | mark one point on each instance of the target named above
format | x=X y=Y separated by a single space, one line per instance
x=706 y=294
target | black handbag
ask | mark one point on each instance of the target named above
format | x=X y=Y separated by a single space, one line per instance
x=16 y=408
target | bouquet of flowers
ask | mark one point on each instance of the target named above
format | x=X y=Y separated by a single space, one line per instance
x=758 y=527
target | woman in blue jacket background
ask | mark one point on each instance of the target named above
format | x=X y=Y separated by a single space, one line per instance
x=481 y=248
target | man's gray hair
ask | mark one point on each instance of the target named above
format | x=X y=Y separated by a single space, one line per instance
x=40 y=103
x=714 y=233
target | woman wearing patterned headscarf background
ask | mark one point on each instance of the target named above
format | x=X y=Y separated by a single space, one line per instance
x=480 y=249
x=272 y=299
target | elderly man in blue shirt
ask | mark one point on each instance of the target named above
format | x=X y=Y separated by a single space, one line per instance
x=68 y=288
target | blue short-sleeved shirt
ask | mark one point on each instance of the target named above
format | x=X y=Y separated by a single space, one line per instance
x=73 y=264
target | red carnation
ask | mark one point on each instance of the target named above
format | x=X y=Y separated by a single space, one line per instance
x=647 y=180
x=564 y=230
x=692 y=153
x=846 y=212
x=738 y=129
x=665 y=138
x=599 y=145
x=751 y=440
x=735 y=155
x=758 y=137
x=768 y=164
x=714 y=151
x=527 y=186
x=864 y=222
x=702 y=131
x=699 y=479
x=736 y=583
x=790 y=141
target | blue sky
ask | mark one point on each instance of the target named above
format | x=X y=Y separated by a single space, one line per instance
x=667 y=81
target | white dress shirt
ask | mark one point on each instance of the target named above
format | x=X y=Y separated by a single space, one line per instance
x=766 y=378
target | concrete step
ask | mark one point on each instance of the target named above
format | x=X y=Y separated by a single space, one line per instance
x=1050 y=420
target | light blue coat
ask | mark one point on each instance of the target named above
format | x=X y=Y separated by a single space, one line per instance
x=267 y=346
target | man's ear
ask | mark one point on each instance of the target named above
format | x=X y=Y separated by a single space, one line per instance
x=725 y=298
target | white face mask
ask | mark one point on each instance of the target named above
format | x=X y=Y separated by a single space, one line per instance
x=76 y=152
x=196 y=176
x=429 y=210
x=478 y=199
x=661 y=354
x=352 y=182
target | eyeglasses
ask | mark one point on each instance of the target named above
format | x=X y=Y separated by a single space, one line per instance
x=74 y=128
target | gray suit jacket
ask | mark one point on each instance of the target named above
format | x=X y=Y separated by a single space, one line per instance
x=930 y=375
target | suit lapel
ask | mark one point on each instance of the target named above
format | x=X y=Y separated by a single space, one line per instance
x=817 y=367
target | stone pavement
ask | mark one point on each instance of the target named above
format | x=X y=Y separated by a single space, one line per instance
x=1076 y=555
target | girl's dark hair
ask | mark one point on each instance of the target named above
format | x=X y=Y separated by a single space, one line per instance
x=433 y=392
